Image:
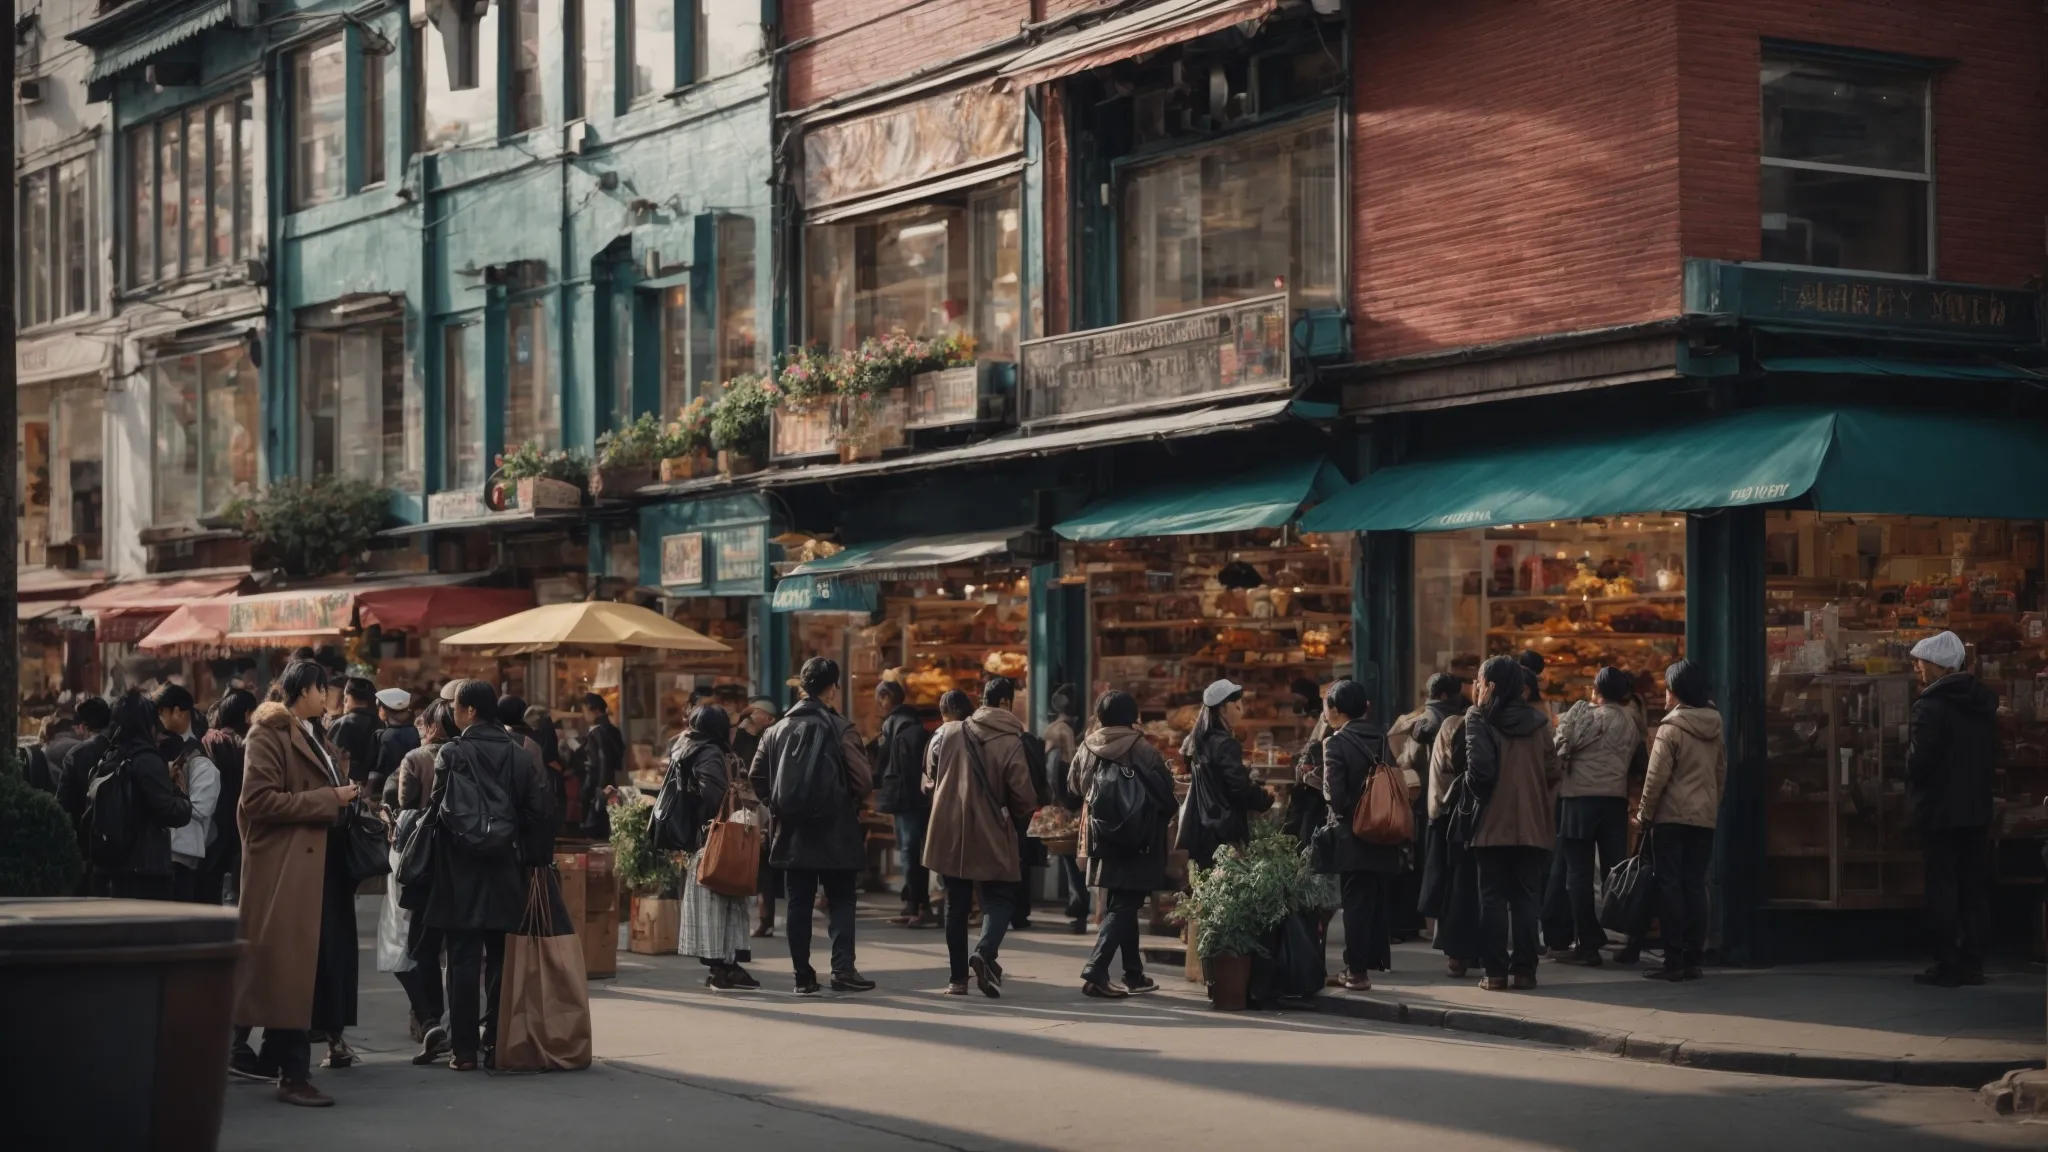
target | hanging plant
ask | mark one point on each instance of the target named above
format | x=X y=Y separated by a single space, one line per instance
x=739 y=420
x=311 y=527
x=807 y=376
x=532 y=460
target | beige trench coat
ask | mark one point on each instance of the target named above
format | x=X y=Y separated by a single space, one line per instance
x=288 y=805
x=968 y=838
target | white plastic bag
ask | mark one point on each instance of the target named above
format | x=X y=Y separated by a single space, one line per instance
x=393 y=924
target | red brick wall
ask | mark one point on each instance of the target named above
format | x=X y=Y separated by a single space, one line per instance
x=863 y=42
x=1988 y=120
x=1515 y=170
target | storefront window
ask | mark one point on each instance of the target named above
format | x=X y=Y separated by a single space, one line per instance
x=1582 y=594
x=534 y=413
x=176 y=439
x=1847 y=181
x=948 y=266
x=1171 y=614
x=79 y=456
x=462 y=405
x=462 y=109
x=319 y=123
x=1241 y=218
x=358 y=415
x=1845 y=600
x=34 y=463
x=231 y=387
x=190 y=181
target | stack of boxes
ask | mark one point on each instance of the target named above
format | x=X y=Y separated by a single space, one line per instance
x=590 y=888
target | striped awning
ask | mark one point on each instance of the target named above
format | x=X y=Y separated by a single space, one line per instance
x=151 y=39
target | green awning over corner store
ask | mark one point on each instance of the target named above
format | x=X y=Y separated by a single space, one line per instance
x=1833 y=460
x=1265 y=497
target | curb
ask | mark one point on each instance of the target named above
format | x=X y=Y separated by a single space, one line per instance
x=1791 y=1062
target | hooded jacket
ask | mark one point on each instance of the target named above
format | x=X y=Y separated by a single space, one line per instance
x=1953 y=753
x=159 y=807
x=1222 y=797
x=1597 y=745
x=834 y=844
x=1688 y=768
x=1349 y=755
x=1103 y=751
x=1513 y=764
x=477 y=894
x=899 y=763
x=972 y=834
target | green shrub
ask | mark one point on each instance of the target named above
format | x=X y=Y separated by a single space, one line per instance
x=739 y=420
x=1237 y=901
x=38 y=848
x=530 y=459
x=640 y=867
x=312 y=527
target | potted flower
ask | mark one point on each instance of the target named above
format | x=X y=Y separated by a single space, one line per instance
x=654 y=879
x=311 y=527
x=875 y=394
x=686 y=442
x=807 y=385
x=536 y=478
x=739 y=424
x=627 y=457
x=1233 y=907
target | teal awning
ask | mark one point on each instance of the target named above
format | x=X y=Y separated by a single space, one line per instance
x=916 y=558
x=1892 y=366
x=822 y=594
x=1261 y=498
x=148 y=41
x=1850 y=460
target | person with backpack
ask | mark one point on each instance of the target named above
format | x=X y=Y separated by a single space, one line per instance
x=1511 y=765
x=1127 y=794
x=408 y=791
x=43 y=761
x=492 y=813
x=813 y=774
x=74 y=771
x=1355 y=749
x=132 y=803
x=293 y=795
x=200 y=779
x=714 y=927
x=1681 y=801
x=1600 y=743
x=981 y=795
x=1224 y=794
x=899 y=766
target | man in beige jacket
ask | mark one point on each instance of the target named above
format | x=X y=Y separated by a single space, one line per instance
x=980 y=785
x=1681 y=799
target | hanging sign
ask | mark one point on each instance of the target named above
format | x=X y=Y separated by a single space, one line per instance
x=1226 y=350
x=682 y=559
x=740 y=554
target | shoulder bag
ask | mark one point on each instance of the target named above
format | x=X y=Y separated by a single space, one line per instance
x=730 y=863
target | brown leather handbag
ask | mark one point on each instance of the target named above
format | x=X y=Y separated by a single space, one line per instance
x=730 y=861
x=1383 y=814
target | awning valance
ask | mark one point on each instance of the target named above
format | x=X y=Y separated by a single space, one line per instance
x=1896 y=367
x=413 y=608
x=911 y=559
x=1134 y=33
x=822 y=594
x=159 y=596
x=1847 y=460
x=289 y=616
x=199 y=625
x=1264 y=497
x=137 y=47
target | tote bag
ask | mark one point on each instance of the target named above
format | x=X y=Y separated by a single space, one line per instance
x=1383 y=814
x=544 y=1000
x=730 y=864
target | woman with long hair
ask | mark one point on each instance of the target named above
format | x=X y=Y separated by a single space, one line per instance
x=1224 y=795
x=714 y=927
x=407 y=791
x=157 y=804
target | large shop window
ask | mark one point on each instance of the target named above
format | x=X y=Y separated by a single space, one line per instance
x=949 y=265
x=77 y=463
x=1848 y=177
x=461 y=109
x=730 y=326
x=55 y=253
x=1846 y=597
x=533 y=411
x=191 y=181
x=1583 y=594
x=319 y=123
x=1233 y=220
x=359 y=414
x=205 y=431
x=462 y=406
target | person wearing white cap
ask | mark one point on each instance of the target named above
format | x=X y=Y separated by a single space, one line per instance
x=1224 y=795
x=394 y=708
x=1950 y=761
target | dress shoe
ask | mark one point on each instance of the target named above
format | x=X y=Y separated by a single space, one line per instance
x=1101 y=991
x=303 y=1094
x=987 y=976
x=1140 y=984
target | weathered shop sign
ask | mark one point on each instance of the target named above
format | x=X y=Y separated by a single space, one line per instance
x=682 y=560
x=1225 y=350
x=1810 y=298
x=910 y=143
x=310 y=614
x=741 y=555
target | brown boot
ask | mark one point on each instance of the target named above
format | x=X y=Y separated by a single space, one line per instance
x=303 y=1094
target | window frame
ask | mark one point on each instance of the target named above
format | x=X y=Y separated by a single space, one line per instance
x=203 y=508
x=962 y=265
x=298 y=63
x=142 y=151
x=54 y=273
x=1903 y=66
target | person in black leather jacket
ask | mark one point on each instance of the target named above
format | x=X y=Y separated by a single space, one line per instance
x=1365 y=870
x=159 y=804
x=1224 y=795
x=899 y=764
x=1951 y=761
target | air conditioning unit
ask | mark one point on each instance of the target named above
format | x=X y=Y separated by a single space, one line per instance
x=28 y=90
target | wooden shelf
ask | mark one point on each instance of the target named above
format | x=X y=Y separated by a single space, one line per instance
x=1254 y=623
x=1568 y=598
x=1537 y=633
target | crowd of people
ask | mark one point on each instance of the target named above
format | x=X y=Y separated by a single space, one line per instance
x=1521 y=808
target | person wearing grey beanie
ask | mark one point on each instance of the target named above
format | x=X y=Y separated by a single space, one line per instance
x=1950 y=761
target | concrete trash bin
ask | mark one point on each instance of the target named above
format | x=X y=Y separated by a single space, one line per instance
x=114 y=1023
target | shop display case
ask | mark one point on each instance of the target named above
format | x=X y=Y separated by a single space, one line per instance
x=1839 y=832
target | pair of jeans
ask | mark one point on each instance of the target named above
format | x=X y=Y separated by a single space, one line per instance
x=1368 y=920
x=1679 y=856
x=1077 y=887
x=1603 y=820
x=803 y=885
x=996 y=897
x=1119 y=933
x=474 y=958
x=423 y=988
x=1510 y=906
x=917 y=879
x=289 y=1050
x=1958 y=869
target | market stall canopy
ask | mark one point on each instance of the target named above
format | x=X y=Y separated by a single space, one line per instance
x=590 y=628
x=199 y=625
x=1846 y=460
x=1134 y=33
x=413 y=608
x=917 y=558
x=42 y=609
x=1264 y=497
x=34 y=580
x=294 y=615
x=160 y=597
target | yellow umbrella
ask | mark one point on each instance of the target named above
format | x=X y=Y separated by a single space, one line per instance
x=586 y=628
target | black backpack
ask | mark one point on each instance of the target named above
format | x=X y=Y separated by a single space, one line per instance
x=1124 y=819
x=476 y=809
x=677 y=817
x=112 y=825
x=1034 y=762
x=35 y=768
x=808 y=782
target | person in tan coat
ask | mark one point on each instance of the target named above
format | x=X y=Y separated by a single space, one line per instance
x=1513 y=766
x=1681 y=800
x=981 y=793
x=292 y=794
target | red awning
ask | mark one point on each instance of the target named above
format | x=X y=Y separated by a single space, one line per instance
x=412 y=609
x=1130 y=34
x=200 y=625
x=158 y=596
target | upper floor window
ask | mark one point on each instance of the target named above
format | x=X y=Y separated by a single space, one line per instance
x=524 y=92
x=204 y=431
x=650 y=27
x=54 y=254
x=1848 y=176
x=533 y=409
x=319 y=123
x=728 y=36
x=191 y=182
x=461 y=83
x=359 y=414
x=949 y=265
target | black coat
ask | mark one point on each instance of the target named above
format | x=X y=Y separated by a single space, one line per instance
x=1953 y=753
x=77 y=773
x=1349 y=755
x=469 y=894
x=899 y=763
x=706 y=764
x=1105 y=747
x=393 y=743
x=226 y=749
x=1222 y=798
x=837 y=843
x=159 y=807
x=604 y=755
x=355 y=734
x=1306 y=808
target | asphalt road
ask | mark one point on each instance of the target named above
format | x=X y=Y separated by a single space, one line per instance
x=903 y=1067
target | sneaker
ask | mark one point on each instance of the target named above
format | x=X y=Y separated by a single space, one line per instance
x=1672 y=975
x=1938 y=976
x=1354 y=982
x=987 y=976
x=1629 y=954
x=1522 y=983
x=738 y=977
x=956 y=988
x=808 y=985
x=303 y=1094
x=1493 y=983
x=851 y=981
x=414 y=1029
x=1078 y=926
x=718 y=978
x=244 y=1065
x=433 y=1046
x=1101 y=991
x=1579 y=958
x=1140 y=984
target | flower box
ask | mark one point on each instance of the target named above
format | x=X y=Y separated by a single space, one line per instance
x=952 y=397
x=685 y=467
x=797 y=433
x=538 y=494
x=868 y=428
x=732 y=463
x=621 y=480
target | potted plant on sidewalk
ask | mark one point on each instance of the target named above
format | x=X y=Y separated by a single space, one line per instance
x=1233 y=907
x=653 y=877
